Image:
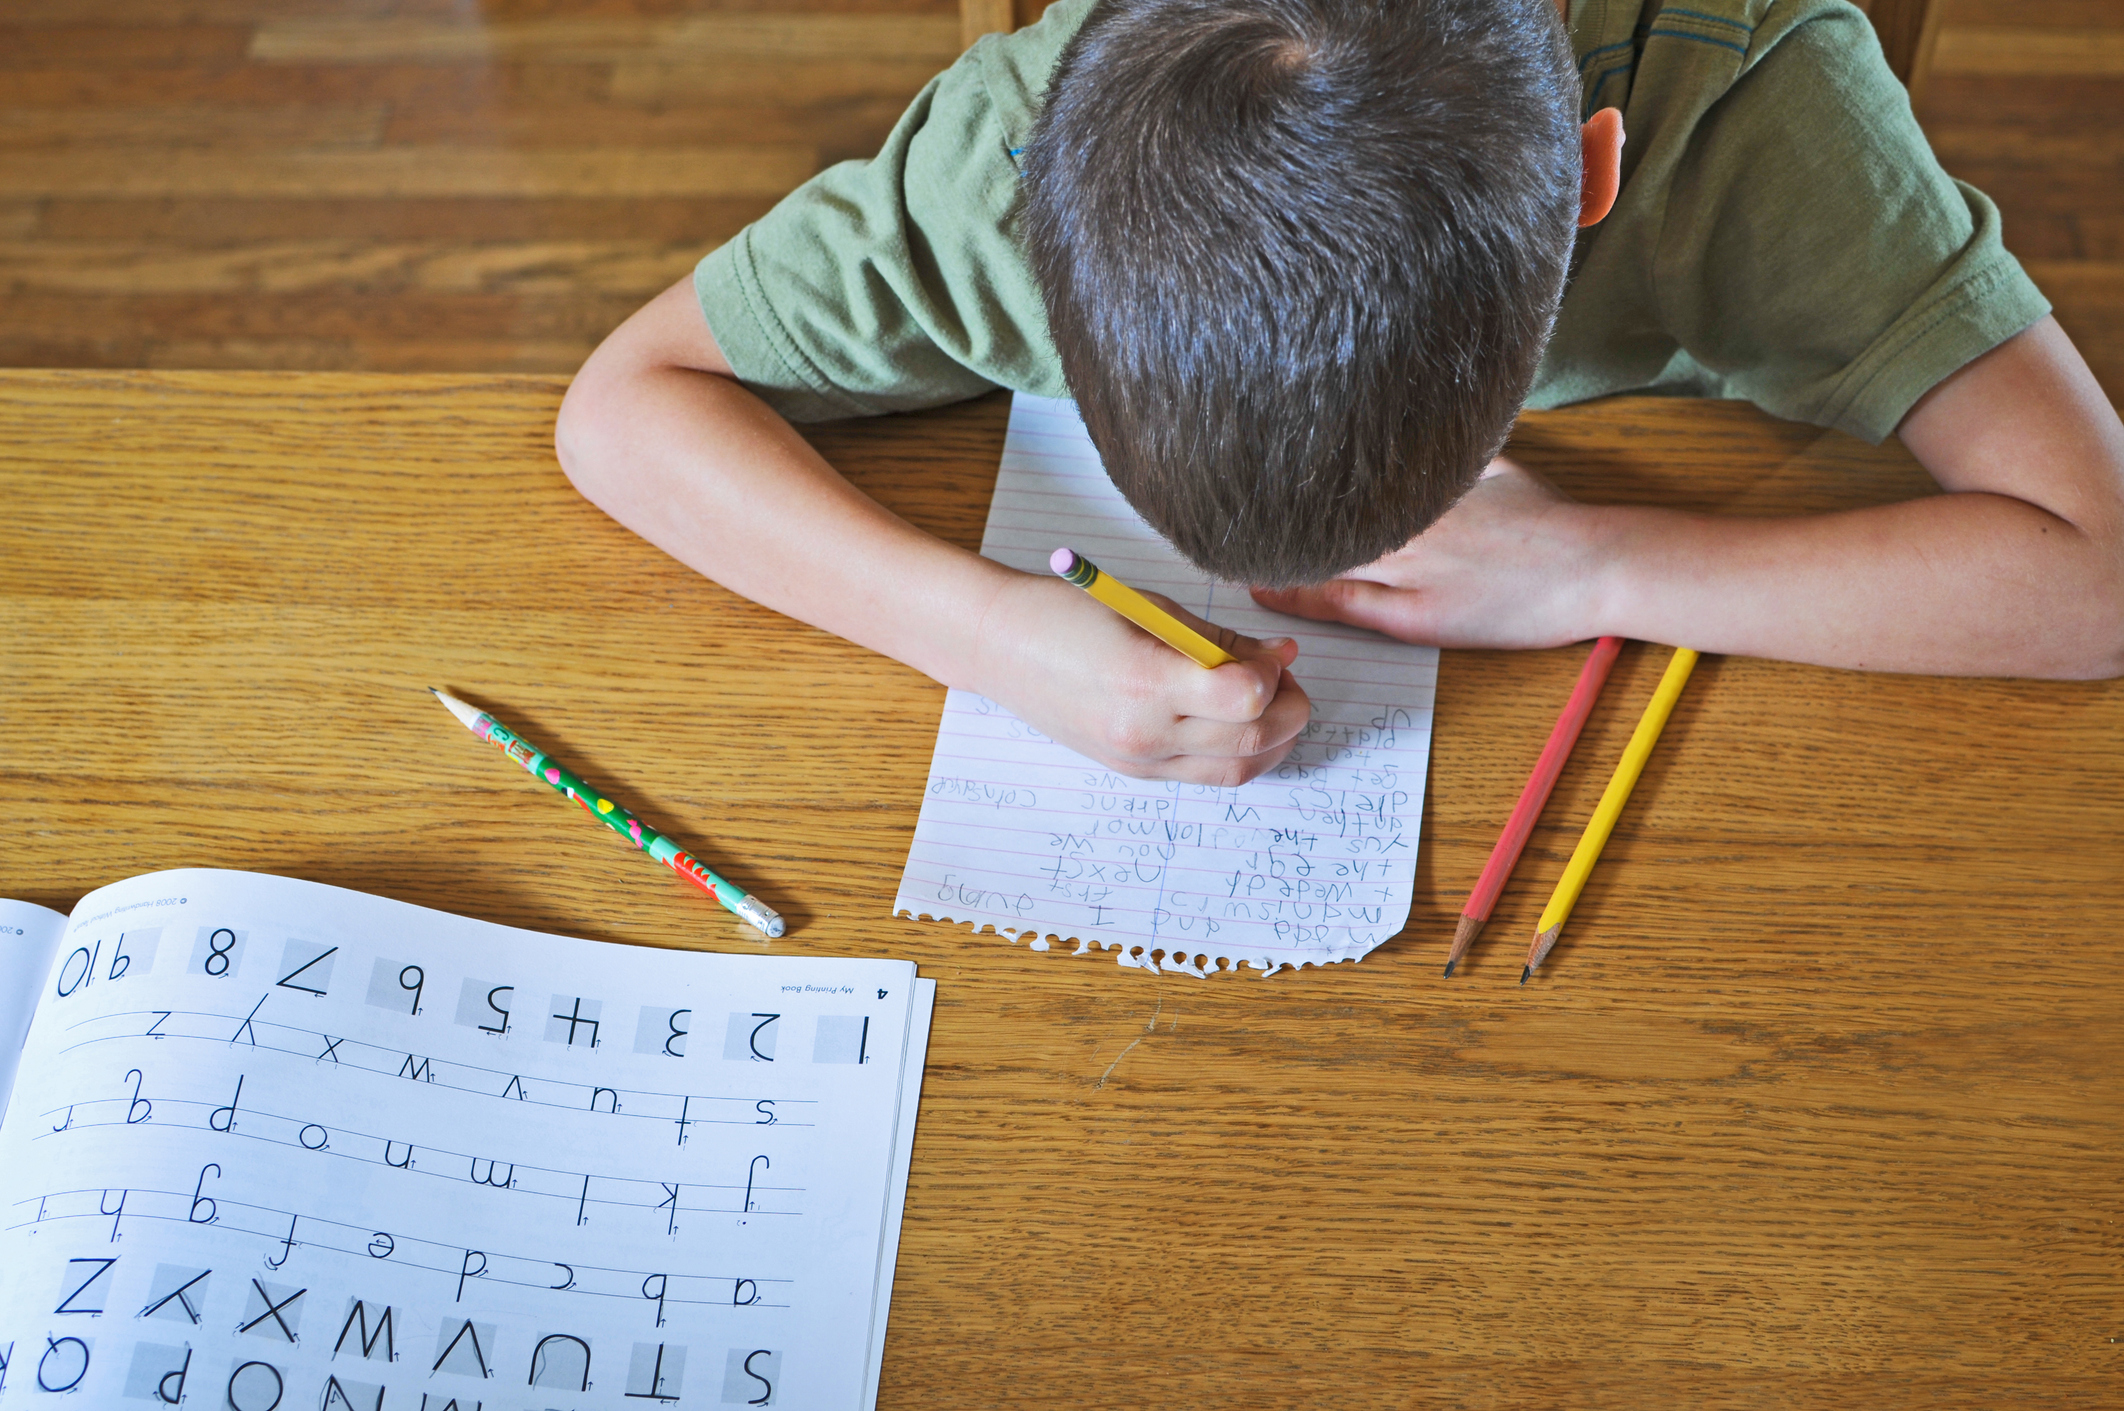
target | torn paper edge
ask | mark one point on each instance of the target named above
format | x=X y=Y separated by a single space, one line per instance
x=1037 y=939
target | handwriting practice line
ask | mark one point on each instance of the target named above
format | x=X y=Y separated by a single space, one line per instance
x=431 y=1066
x=368 y=1241
x=412 y=1167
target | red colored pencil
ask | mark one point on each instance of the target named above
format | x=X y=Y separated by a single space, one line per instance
x=1524 y=813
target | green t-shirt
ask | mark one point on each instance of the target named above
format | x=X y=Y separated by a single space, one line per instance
x=1783 y=235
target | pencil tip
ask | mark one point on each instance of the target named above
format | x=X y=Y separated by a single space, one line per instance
x=1524 y=972
x=1544 y=942
x=1463 y=937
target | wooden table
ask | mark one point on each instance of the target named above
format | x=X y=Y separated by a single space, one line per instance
x=1817 y=1104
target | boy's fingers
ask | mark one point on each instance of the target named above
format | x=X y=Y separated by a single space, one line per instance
x=1236 y=693
x=1272 y=731
x=1353 y=600
x=1311 y=601
x=1224 y=773
x=1283 y=649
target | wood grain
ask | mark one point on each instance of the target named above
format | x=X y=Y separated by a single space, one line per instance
x=557 y=266
x=675 y=120
x=420 y=124
x=506 y=86
x=2041 y=14
x=1907 y=30
x=1971 y=144
x=1816 y=1104
x=725 y=38
x=210 y=223
x=311 y=125
x=36 y=47
x=658 y=79
x=2089 y=295
x=315 y=328
x=2026 y=102
x=251 y=12
x=410 y=172
x=979 y=17
x=2030 y=53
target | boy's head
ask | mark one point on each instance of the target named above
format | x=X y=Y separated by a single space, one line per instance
x=1300 y=259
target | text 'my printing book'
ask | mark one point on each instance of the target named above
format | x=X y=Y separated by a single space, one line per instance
x=272 y=1144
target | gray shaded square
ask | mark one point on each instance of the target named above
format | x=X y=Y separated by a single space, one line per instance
x=178 y=1293
x=281 y=1320
x=307 y=966
x=134 y=954
x=367 y=1332
x=573 y=1020
x=842 y=1038
x=63 y=1362
x=156 y=1367
x=218 y=953
x=466 y=1348
x=251 y=1382
x=399 y=986
x=486 y=1005
x=343 y=1395
x=656 y=1369
x=750 y=1377
x=84 y=1285
x=663 y=1031
x=751 y=1037
x=561 y=1360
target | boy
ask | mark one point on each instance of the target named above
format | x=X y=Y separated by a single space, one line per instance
x=1300 y=262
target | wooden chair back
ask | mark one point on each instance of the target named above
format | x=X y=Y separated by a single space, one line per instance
x=1908 y=31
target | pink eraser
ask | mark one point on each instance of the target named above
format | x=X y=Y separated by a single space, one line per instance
x=1062 y=561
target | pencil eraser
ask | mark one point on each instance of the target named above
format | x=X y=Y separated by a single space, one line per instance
x=1063 y=561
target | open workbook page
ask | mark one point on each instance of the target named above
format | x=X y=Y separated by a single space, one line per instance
x=275 y=1144
x=1313 y=862
x=28 y=935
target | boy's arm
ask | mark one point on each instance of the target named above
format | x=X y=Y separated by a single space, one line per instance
x=2017 y=571
x=657 y=433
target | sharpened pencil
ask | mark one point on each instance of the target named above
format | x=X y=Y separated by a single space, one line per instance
x=1610 y=808
x=557 y=776
x=1591 y=677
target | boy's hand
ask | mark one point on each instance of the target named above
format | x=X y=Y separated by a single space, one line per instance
x=1087 y=677
x=1512 y=565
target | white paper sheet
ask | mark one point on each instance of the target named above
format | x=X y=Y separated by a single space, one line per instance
x=1313 y=862
x=282 y=1144
x=28 y=935
x=912 y=1067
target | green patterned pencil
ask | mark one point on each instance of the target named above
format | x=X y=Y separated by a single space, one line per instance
x=543 y=766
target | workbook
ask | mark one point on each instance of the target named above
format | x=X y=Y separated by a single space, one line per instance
x=274 y=1145
x=1313 y=862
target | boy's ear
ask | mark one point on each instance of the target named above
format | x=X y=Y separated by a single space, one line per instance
x=1603 y=143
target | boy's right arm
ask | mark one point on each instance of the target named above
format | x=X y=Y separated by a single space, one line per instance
x=659 y=435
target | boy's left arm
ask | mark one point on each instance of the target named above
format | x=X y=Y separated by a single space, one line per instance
x=2018 y=570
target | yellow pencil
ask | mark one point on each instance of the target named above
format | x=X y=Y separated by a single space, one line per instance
x=1137 y=608
x=1610 y=808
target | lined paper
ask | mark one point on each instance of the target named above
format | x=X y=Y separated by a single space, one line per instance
x=1313 y=862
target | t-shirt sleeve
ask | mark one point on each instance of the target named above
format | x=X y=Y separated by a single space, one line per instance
x=894 y=283
x=1815 y=257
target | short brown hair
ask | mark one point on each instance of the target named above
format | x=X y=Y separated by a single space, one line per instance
x=1300 y=259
